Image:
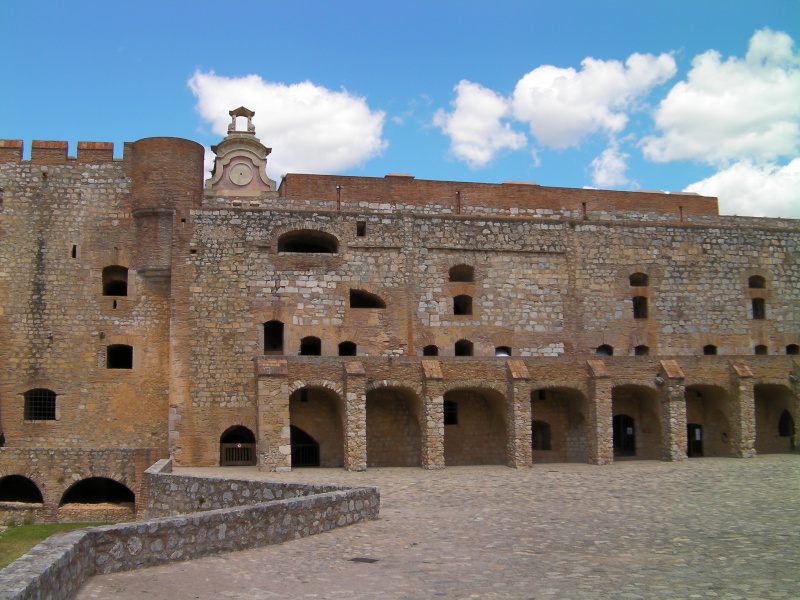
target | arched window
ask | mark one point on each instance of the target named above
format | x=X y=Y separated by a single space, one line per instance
x=119 y=356
x=464 y=348
x=17 y=488
x=639 y=280
x=362 y=299
x=605 y=350
x=761 y=349
x=308 y=241
x=461 y=273
x=710 y=350
x=310 y=346
x=641 y=350
x=431 y=350
x=756 y=282
x=115 y=281
x=347 y=349
x=792 y=349
x=540 y=435
x=462 y=305
x=450 y=413
x=502 y=351
x=40 y=405
x=759 y=308
x=639 y=307
x=786 y=425
x=273 y=337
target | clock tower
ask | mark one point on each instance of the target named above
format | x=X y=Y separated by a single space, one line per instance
x=241 y=160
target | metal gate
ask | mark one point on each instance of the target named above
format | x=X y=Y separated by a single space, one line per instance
x=237 y=455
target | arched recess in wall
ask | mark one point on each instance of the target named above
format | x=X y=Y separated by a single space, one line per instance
x=237 y=447
x=756 y=282
x=310 y=346
x=641 y=350
x=97 y=490
x=308 y=241
x=273 y=337
x=18 y=488
x=639 y=280
x=464 y=348
x=430 y=350
x=709 y=350
x=462 y=273
x=364 y=299
x=792 y=349
x=605 y=350
x=115 y=280
x=348 y=349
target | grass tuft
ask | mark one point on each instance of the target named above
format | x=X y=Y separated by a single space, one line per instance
x=16 y=540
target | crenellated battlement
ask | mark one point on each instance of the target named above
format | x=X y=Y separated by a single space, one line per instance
x=56 y=152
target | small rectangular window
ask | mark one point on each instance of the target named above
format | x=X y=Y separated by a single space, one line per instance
x=450 y=413
x=361 y=228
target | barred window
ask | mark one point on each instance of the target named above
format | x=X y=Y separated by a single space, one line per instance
x=40 y=405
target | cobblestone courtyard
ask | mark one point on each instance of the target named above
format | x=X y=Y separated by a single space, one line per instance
x=709 y=528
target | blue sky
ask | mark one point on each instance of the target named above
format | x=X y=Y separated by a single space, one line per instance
x=669 y=95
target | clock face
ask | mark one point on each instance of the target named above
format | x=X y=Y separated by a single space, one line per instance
x=241 y=174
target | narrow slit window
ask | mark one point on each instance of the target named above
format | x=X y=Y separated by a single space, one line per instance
x=759 y=309
x=361 y=228
x=639 y=307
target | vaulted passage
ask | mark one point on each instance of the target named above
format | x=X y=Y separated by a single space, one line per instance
x=18 y=488
x=563 y=412
x=316 y=415
x=479 y=435
x=96 y=490
x=708 y=421
x=308 y=241
x=393 y=428
x=636 y=423
x=775 y=419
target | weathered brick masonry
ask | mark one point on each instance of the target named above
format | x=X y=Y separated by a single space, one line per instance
x=355 y=322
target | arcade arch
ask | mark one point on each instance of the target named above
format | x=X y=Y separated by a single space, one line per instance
x=564 y=411
x=707 y=421
x=316 y=415
x=636 y=425
x=394 y=434
x=775 y=407
x=480 y=435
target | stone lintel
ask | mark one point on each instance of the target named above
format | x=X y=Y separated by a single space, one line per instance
x=672 y=369
x=598 y=369
x=518 y=369
x=354 y=368
x=272 y=367
x=432 y=369
x=742 y=370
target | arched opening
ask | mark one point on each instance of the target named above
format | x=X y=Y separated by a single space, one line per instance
x=636 y=425
x=563 y=410
x=639 y=280
x=273 y=337
x=115 y=281
x=18 y=488
x=237 y=447
x=761 y=350
x=480 y=435
x=641 y=350
x=708 y=408
x=464 y=348
x=639 y=307
x=540 y=436
x=502 y=351
x=462 y=273
x=363 y=299
x=98 y=490
x=316 y=415
x=709 y=350
x=119 y=356
x=605 y=350
x=759 y=308
x=40 y=405
x=430 y=350
x=305 y=449
x=308 y=241
x=793 y=349
x=774 y=407
x=310 y=346
x=462 y=305
x=347 y=349
x=394 y=435
x=756 y=282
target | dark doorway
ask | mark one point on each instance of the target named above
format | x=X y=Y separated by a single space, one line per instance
x=305 y=449
x=624 y=436
x=237 y=447
x=694 y=439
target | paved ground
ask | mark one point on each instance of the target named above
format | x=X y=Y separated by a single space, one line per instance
x=709 y=528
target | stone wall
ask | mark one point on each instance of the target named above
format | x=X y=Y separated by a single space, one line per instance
x=269 y=514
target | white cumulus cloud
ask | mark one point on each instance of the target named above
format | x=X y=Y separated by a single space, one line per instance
x=734 y=109
x=608 y=169
x=475 y=127
x=563 y=106
x=761 y=190
x=311 y=128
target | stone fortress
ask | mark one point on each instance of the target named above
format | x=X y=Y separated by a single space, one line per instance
x=353 y=322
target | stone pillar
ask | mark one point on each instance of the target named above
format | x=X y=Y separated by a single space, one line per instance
x=433 y=416
x=518 y=407
x=743 y=411
x=600 y=417
x=355 y=416
x=274 y=434
x=672 y=397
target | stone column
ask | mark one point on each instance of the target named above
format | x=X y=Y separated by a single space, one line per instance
x=601 y=441
x=518 y=407
x=743 y=410
x=433 y=416
x=672 y=397
x=274 y=433
x=355 y=416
